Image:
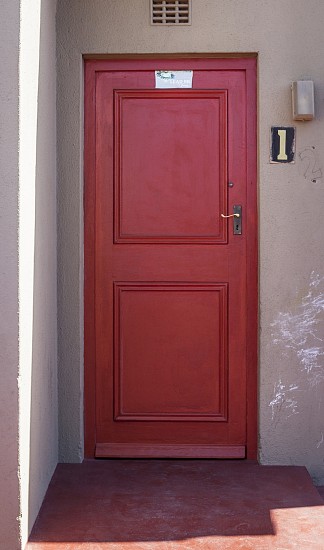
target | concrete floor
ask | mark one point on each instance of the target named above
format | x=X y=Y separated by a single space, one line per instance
x=185 y=504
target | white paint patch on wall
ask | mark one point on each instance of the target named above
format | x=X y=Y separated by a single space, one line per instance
x=298 y=333
x=284 y=398
x=297 y=330
x=320 y=442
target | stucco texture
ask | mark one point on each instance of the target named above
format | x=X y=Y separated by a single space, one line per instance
x=289 y=41
x=9 y=29
x=38 y=435
x=28 y=344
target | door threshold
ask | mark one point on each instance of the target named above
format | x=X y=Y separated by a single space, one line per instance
x=138 y=450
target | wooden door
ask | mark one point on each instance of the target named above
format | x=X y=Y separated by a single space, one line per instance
x=170 y=290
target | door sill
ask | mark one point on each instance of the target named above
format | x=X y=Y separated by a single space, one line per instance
x=146 y=450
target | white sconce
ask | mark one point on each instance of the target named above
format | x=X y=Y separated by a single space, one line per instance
x=303 y=99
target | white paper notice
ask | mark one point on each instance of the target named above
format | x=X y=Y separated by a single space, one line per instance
x=173 y=79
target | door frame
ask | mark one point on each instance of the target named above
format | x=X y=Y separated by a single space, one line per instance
x=92 y=65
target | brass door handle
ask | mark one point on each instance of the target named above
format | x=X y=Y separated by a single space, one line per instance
x=236 y=215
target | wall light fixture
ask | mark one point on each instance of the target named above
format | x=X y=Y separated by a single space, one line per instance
x=303 y=100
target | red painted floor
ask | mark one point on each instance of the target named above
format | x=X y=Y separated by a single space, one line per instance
x=185 y=504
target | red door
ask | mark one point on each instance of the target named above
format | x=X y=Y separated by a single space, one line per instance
x=170 y=318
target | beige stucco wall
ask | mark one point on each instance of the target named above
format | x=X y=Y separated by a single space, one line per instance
x=28 y=350
x=38 y=436
x=9 y=42
x=288 y=37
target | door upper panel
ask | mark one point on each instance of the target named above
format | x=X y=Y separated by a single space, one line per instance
x=170 y=166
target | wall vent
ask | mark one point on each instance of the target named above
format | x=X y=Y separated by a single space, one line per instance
x=171 y=12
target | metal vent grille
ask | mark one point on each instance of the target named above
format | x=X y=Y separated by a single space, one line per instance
x=170 y=12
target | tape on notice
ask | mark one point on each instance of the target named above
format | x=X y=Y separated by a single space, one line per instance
x=173 y=79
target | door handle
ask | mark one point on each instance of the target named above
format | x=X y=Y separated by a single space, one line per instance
x=236 y=215
x=237 y=224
